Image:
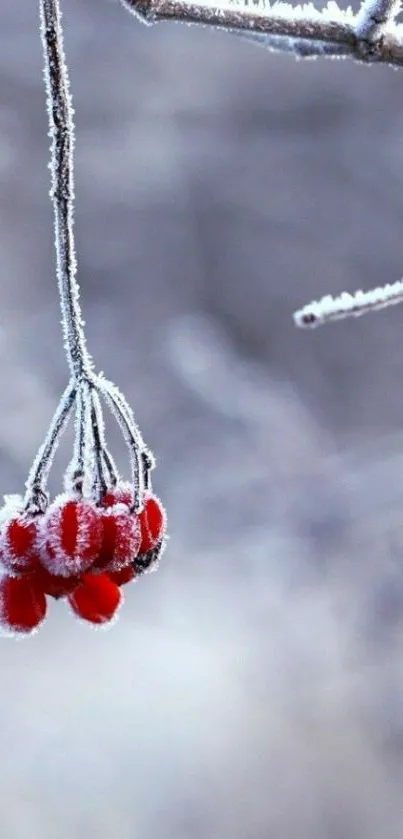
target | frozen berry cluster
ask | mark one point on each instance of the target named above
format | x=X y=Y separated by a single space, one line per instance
x=100 y=533
x=77 y=550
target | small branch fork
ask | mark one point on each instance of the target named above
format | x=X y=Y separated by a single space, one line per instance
x=85 y=390
x=370 y=36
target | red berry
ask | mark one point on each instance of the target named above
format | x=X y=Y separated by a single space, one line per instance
x=97 y=599
x=72 y=533
x=121 y=539
x=124 y=576
x=22 y=604
x=122 y=493
x=18 y=540
x=152 y=522
x=56 y=586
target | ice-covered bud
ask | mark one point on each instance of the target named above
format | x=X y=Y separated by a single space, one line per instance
x=120 y=540
x=71 y=535
x=97 y=599
x=22 y=604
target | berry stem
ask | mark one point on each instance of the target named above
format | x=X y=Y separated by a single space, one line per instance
x=131 y=433
x=103 y=459
x=77 y=471
x=61 y=131
x=148 y=465
x=110 y=466
x=35 y=484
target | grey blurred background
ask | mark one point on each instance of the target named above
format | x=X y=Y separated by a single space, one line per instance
x=253 y=688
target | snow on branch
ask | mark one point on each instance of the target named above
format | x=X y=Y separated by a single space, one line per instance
x=371 y=35
x=349 y=305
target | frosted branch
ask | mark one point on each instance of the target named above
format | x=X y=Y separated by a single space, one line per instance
x=76 y=473
x=110 y=467
x=148 y=462
x=374 y=15
x=104 y=462
x=371 y=35
x=349 y=305
x=131 y=433
x=40 y=468
x=147 y=458
x=61 y=131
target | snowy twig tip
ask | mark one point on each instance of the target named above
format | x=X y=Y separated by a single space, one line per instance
x=348 y=305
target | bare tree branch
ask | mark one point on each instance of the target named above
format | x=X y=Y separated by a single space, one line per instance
x=349 y=305
x=369 y=36
x=61 y=130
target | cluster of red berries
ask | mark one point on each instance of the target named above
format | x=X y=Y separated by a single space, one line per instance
x=75 y=550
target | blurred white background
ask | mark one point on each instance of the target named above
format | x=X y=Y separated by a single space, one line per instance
x=253 y=687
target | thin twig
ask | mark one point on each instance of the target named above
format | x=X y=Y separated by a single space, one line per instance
x=349 y=305
x=40 y=468
x=105 y=469
x=61 y=127
x=281 y=19
x=100 y=483
x=146 y=457
x=75 y=475
x=131 y=433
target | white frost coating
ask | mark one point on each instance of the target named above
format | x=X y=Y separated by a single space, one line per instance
x=5 y=629
x=127 y=537
x=13 y=562
x=300 y=47
x=55 y=557
x=61 y=132
x=123 y=489
x=349 y=305
x=13 y=505
x=131 y=433
x=373 y=14
x=331 y=13
x=78 y=475
x=156 y=562
x=120 y=508
x=39 y=471
x=21 y=635
x=370 y=36
x=104 y=469
x=82 y=441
